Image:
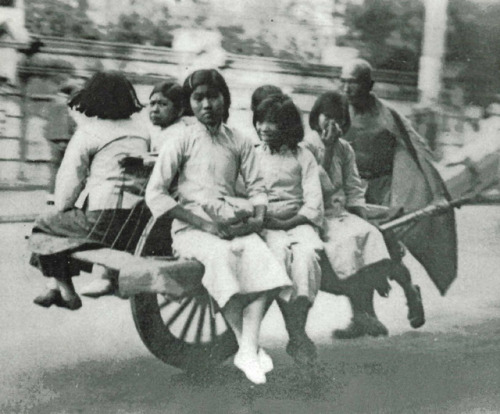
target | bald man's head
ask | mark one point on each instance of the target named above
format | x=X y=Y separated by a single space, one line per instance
x=357 y=81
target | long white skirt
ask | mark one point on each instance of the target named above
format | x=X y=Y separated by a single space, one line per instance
x=352 y=243
x=243 y=265
x=297 y=249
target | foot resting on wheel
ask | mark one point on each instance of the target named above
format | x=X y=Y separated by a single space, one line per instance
x=361 y=325
x=250 y=366
x=416 y=314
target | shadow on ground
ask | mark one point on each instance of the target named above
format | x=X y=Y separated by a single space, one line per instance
x=412 y=372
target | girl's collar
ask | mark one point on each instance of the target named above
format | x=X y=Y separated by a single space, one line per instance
x=212 y=131
x=283 y=149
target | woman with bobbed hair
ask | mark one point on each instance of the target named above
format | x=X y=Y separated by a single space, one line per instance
x=355 y=249
x=206 y=157
x=295 y=213
x=91 y=207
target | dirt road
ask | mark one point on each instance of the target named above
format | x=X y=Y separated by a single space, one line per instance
x=92 y=361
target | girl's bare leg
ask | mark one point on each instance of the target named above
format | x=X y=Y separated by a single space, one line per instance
x=233 y=313
x=247 y=358
x=70 y=298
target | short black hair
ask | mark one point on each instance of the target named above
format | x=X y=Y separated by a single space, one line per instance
x=281 y=110
x=334 y=105
x=263 y=92
x=211 y=78
x=171 y=90
x=106 y=95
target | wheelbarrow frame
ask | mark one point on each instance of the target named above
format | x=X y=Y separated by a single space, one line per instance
x=155 y=281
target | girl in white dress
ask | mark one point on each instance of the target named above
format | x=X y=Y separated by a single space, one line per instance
x=206 y=157
x=356 y=249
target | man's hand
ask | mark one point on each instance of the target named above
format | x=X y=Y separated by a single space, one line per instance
x=134 y=185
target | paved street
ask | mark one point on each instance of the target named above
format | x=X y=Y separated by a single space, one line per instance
x=92 y=360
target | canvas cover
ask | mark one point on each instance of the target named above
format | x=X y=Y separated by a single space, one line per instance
x=415 y=184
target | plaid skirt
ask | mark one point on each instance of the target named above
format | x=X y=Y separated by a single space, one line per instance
x=57 y=235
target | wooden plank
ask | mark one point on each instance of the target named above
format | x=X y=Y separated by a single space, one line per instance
x=112 y=259
x=137 y=274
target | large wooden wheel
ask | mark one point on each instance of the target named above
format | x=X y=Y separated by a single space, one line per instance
x=189 y=333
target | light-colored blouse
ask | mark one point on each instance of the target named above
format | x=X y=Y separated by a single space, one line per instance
x=292 y=183
x=207 y=166
x=90 y=171
x=348 y=187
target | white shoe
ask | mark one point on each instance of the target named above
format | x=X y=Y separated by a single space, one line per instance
x=265 y=361
x=251 y=367
x=98 y=288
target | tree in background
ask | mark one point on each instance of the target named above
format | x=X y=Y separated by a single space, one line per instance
x=58 y=18
x=388 y=33
x=134 y=28
x=473 y=49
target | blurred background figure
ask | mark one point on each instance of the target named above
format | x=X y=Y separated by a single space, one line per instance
x=60 y=126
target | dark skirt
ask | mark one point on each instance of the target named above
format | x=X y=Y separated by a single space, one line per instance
x=57 y=235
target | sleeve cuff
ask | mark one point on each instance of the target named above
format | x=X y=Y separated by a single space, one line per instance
x=160 y=205
x=313 y=215
x=259 y=200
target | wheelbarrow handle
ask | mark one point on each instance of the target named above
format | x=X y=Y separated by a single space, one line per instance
x=430 y=210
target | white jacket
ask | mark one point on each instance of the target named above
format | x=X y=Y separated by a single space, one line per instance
x=90 y=170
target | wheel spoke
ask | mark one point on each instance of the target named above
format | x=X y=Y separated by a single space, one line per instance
x=188 y=322
x=178 y=312
x=212 y=315
x=201 y=323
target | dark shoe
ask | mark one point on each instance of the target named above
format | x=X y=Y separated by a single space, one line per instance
x=353 y=330
x=302 y=350
x=373 y=326
x=416 y=314
x=72 y=304
x=361 y=325
x=49 y=298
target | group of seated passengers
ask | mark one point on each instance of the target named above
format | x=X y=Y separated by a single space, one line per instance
x=297 y=209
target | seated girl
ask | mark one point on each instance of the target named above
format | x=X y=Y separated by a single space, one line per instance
x=206 y=157
x=92 y=209
x=166 y=107
x=294 y=215
x=355 y=249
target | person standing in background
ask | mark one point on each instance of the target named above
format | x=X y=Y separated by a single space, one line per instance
x=60 y=128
